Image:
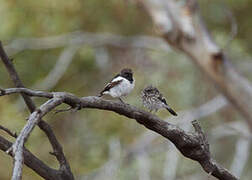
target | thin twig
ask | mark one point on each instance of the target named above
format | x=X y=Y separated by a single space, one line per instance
x=62 y=110
x=9 y=131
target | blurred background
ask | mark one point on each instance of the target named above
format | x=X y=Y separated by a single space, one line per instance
x=78 y=46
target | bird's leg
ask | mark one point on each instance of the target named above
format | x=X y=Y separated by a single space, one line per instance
x=121 y=100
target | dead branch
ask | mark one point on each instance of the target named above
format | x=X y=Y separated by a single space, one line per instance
x=8 y=131
x=193 y=146
x=17 y=148
x=33 y=162
x=64 y=169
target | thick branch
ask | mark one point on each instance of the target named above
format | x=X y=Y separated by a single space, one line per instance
x=193 y=146
x=181 y=26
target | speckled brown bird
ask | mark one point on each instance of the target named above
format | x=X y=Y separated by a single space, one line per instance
x=153 y=100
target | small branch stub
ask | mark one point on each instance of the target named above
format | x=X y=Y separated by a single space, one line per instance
x=201 y=136
x=2 y=91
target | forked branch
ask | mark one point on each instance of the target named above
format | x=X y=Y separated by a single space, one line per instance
x=191 y=145
x=64 y=169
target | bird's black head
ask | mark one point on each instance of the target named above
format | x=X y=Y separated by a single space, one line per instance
x=127 y=73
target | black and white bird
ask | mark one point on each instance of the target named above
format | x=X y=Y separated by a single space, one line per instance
x=153 y=100
x=121 y=85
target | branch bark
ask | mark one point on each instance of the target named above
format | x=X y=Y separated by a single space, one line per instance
x=33 y=162
x=17 y=148
x=180 y=24
x=8 y=131
x=65 y=169
x=193 y=146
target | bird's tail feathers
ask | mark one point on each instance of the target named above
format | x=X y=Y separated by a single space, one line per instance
x=171 y=111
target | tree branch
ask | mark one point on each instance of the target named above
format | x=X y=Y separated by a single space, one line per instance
x=193 y=146
x=17 y=148
x=65 y=169
x=32 y=162
x=8 y=131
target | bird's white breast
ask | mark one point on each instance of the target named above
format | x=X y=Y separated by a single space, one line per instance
x=122 y=89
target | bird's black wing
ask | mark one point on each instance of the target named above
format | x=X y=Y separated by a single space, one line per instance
x=115 y=77
x=110 y=85
x=161 y=98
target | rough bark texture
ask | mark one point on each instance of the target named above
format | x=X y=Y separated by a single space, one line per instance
x=64 y=170
x=32 y=162
x=191 y=145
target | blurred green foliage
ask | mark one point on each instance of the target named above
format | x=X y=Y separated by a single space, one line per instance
x=85 y=135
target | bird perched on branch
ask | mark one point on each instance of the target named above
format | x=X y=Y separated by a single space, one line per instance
x=121 y=85
x=153 y=100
